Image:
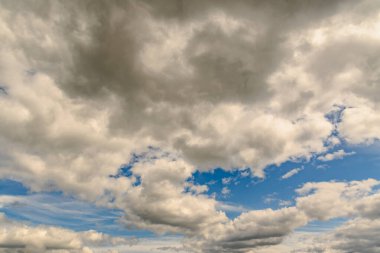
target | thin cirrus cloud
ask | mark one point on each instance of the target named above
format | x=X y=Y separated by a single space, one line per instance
x=119 y=104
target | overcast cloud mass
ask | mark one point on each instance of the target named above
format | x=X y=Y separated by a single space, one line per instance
x=120 y=103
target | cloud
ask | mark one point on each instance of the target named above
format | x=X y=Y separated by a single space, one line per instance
x=365 y=130
x=327 y=200
x=19 y=237
x=291 y=173
x=245 y=173
x=262 y=229
x=253 y=229
x=356 y=235
x=231 y=207
x=113 y=90
x=159 y=202
x=226 y=180
x=125 y=85
x=72 y=213
x=90 y=85
x=339 y=154
x=225 y=191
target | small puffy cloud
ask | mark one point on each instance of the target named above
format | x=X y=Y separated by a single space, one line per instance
x=226 y=180
x=282 y=203
x=225 y=191
x=245 y=173
x=339 y=154
x=197 y=189
x=291 y=173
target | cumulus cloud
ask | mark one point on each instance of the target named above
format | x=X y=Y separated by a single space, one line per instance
x=159 y=202
x=119 y=74
x=273 y=230
x=358 y=235
x=85 y=86
x=365 y=127
x=112 y=89
x=327 y=200
x=254 y=229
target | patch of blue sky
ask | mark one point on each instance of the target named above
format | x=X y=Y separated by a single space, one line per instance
x=11 y=187
x=275 y=192
x=246 y=192
x=335 y=116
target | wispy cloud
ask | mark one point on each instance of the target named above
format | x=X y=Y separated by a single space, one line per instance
x=339 y=154
x=291 y=173
x=58 y=210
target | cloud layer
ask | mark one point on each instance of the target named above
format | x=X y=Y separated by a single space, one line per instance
x=174 y=87
x=21 y=238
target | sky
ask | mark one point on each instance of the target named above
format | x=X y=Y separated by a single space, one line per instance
x=199 y=126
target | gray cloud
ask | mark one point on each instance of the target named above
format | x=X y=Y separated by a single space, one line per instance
x=218 y=54
x=267 y=229
x=234 y=85
x=356 y=235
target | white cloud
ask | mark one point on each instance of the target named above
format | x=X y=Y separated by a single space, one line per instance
x=245 y=173
x=24 y=238
x=231 y=207
x=282 y=203
x=226 y=180
x=225 y=191
x=333 y=199
x=339 y=154
x=360 y=124
x=291 y=173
